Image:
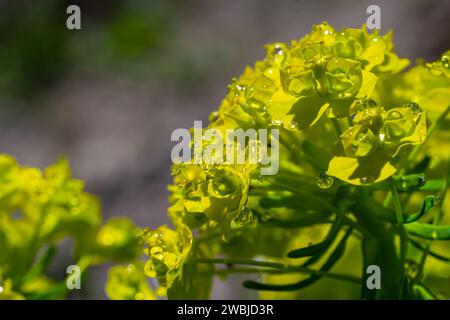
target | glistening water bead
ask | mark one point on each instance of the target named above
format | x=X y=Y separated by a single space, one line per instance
x=415 y=109
x=421 y=180
x=324 y=181
x=245 y=217
x=394 y=115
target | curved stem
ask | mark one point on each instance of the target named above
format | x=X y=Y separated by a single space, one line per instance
x=337 y=127
x=278 y=266
x=436 y=218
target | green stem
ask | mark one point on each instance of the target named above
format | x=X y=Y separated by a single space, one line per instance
x=402 y=232
x=337 y=127
x=436 y=219
x=378 y=248
x=279 y=268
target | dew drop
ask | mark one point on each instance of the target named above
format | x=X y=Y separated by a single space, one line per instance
x=278 y=50
x=245 y=217
x=421 y=180
x=394 y=115
x=364 y=180
x=213 y=116
x=324 y=181
x=293 y=125
x=415 y=108
x=344 y=95
x=360 y=136
x=277 y=123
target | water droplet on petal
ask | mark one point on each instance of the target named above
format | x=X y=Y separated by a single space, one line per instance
x=437 y=200
x=360 y=136
x=213 y=116
x=421 y=180
x=415 y=109
x=277 y=123
x=277 y=50
x=245 y=216
x=293 y=125
x=324 y=181
x=344 y=95
x=394 y=115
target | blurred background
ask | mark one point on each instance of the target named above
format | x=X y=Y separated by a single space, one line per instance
x=109 y=95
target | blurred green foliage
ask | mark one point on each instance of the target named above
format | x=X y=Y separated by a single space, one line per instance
x=37 y=50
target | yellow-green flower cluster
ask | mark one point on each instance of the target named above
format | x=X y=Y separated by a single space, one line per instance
x=167 y=250
x=295 y=84
x=128 y=283
x=374 y=138
x=214 y=195
x=334 y=74
x=37 y=209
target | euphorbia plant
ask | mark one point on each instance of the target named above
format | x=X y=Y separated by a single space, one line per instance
x=364 y=172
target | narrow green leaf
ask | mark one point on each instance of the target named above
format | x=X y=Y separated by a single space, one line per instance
x=334 y=257
x=320 y=247
x=433 y=185
x=430 y=252
x=378 y=210
x=317 y=154
x=428 y=231
x=306 y=221
x=195 y=283
x=41 y=265
x=422 y=292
